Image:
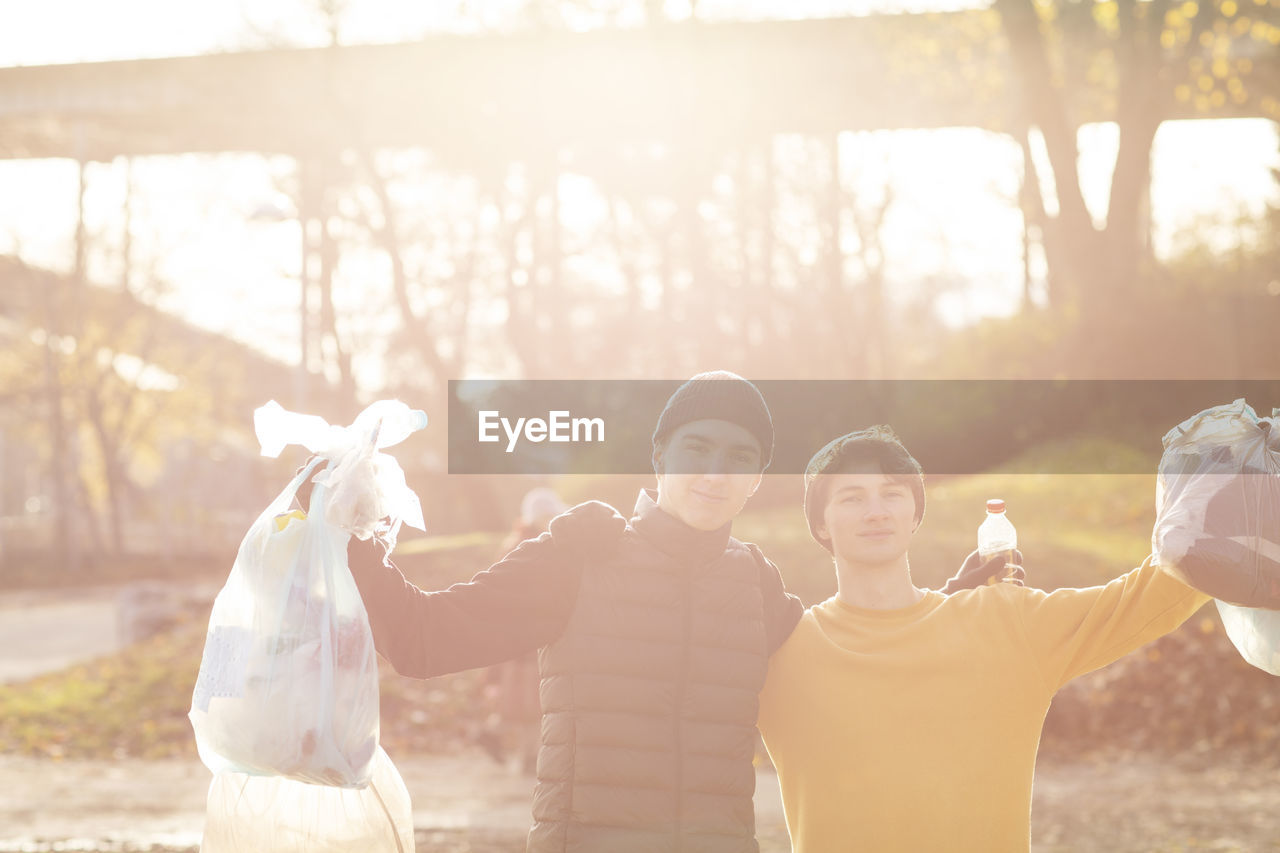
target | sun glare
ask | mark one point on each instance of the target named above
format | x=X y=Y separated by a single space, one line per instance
x=219 y=232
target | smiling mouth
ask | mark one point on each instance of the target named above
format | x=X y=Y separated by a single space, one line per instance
x=876 y=534
x=706 y=497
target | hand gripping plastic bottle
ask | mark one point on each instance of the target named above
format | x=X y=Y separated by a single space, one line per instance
x=996 y=536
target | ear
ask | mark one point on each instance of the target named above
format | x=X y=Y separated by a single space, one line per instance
x=821 y=532
x=656 y=460
x=756 y=484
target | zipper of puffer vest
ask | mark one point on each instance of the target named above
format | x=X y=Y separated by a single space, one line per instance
x=682 y=688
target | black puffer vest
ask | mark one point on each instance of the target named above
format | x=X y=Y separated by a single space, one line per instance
x=649 y=698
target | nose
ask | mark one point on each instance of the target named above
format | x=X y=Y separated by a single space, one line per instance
x=717 y=465
x=876 y=508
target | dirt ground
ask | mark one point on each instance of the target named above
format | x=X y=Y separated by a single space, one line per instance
x=470 y=805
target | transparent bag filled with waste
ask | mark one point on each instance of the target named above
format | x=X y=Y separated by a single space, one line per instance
x=271 y=814
x=288 y=683
x=1255 y=632
x=1218 y=520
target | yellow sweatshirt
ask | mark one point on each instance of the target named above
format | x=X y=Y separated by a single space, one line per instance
x=917 y=729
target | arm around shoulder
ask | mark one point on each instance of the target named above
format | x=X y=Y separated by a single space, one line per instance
x=782 y=610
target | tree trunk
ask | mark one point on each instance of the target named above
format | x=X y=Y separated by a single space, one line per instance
x=126 y=228
x=111 y=471
x=415 y=331
x=1140 y=104
x=846 y=338
x=1075 y=247
x=329 y=317
x=626 y=326
x=65 y=538
x=519 y=326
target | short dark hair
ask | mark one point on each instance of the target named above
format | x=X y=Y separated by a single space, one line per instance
x=877 y=447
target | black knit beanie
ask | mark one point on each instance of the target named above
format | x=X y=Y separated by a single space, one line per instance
x=719 y=395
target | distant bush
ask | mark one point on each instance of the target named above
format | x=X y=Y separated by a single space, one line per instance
x=1187 y=693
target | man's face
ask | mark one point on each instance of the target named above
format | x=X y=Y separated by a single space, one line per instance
x=708 y=470
x=868 y=517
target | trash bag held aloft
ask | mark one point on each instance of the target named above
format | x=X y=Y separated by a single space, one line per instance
x=368 y=495
x=1218 y=505
x=269 y=814
x=288 y=684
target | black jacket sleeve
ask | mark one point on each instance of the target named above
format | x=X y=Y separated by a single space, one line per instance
x=782 y=610
x=520 y=603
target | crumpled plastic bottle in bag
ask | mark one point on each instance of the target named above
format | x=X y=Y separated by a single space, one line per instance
x=271 y=814
x=1218 y=520
x=288 y=683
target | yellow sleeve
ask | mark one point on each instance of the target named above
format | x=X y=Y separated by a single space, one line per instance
x=773 y=704
x=793 y=675
x=1074 y=631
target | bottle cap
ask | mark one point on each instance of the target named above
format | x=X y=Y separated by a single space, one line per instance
x=995 y=505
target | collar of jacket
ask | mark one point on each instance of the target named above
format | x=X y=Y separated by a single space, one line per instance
x=675 y=538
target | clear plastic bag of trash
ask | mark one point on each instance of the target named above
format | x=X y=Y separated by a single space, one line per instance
x=271 y=814
x=368 y=495
x=1255 y=633
x=1218 y=520
x=288 y=683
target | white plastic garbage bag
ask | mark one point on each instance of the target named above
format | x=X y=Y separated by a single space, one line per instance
x=1218 y=505
x=288 y=684
x=1218 y=520
x=270 y=814
x=1255 y=632
x=368 y=492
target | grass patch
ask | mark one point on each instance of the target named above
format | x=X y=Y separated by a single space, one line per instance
x=131 y=704
x=134 y=704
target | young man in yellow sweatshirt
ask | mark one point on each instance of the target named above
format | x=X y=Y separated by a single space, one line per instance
x=902 y=719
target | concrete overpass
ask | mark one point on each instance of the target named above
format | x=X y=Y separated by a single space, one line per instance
x=492 y=98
